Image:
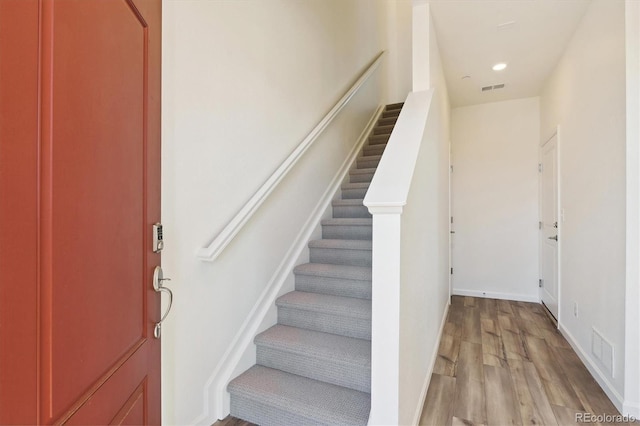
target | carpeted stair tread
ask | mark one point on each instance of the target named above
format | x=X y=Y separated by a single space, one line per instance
x=370 y=157
x=369 y=161
x=383 y=130
x=397 y=106
x=305 y=401
x=331 y=358
x=384 y=121
x=365 y=178
x=341 y=244
x=341 y=252
x=379 y=139
x=374 y=149
x=350 y=208
x=350 y=202
x=316 y=344
x=335 y=314
x=349 y=228
x=314 y=366
x=336 y=280
x=337 y=305
x=361 y=273
x=348 y=221
x=362 y=171
x=356 y=185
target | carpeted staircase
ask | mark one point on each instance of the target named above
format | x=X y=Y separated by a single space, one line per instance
x=314 y=366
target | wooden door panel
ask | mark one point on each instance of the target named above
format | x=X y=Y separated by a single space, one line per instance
x=19 y=40
x=80 y=182
x=132 y=412
x=96 y=193
x=129 y=383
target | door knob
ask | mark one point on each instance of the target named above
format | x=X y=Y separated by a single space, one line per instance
x=158 y=278
x=555 y=237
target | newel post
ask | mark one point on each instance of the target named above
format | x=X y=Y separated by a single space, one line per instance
x=385 y=338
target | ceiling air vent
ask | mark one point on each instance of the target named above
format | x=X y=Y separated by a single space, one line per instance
x=494 y=87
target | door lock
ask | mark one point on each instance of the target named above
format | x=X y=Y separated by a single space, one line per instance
x=158 y=240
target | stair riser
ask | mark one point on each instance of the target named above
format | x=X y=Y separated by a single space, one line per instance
x=346 y=232
x=392 y=113
x=334 y=286
x=374 y=149
x=386 y=121
x=357 y=328
x=364 y=163
x=378 y=140
x=361 y=177
x=382 y=130
x=340 y=256
x=347 y=375
x=394 y=107
x=265 y=415
x=354 y=194
x=350 y=211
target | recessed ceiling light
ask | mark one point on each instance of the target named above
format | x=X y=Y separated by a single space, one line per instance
x=499 y=67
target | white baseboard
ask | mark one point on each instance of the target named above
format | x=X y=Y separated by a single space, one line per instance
x=434 y=356
x=631 y=409
x=216 y=397
x=597 y=374
x=495 y=295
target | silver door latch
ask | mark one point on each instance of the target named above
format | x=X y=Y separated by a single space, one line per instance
x=158 y=279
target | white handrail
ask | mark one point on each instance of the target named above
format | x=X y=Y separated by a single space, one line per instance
x=213 y=250
x=390 y=186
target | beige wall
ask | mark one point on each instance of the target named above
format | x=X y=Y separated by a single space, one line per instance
x=495 y=199
x=244 y=82
x=585 y=96
x=399 y=20
x=424 y=294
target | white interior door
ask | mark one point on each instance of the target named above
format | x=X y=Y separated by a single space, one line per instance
x=549 y=228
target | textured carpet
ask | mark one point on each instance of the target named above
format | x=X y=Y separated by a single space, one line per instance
x=314 y=366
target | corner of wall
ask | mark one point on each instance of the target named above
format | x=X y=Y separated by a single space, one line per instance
x=434 y=358
x=631 y=404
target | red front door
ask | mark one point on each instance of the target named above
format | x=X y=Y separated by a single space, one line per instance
x=79 y=193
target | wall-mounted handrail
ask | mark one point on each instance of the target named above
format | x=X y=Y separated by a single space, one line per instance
x=213 y=250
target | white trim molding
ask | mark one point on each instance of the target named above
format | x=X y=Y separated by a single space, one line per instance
x=496 y=295
x=218 y=244
x=434 y=357
x=216 y=397
x=595 y=371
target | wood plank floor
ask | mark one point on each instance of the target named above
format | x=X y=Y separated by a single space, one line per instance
x=504 y=363
x=232 y=421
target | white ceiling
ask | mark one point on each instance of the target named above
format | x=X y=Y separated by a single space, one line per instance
x=471 y=43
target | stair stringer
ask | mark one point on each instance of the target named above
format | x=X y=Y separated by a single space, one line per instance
x=241 y=353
